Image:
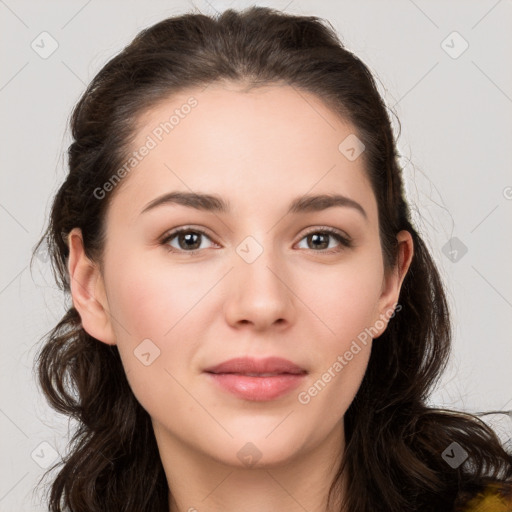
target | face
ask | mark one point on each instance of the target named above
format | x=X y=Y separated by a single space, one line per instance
x=251 y=280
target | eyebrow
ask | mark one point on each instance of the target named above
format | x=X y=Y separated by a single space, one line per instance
x=214 y=203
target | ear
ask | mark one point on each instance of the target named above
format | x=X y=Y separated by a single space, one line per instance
x=392 y=282
x=88 y=291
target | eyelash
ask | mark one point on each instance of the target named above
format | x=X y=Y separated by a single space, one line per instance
x=343 y=240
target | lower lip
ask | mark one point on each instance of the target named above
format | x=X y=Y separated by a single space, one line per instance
x=257 y=388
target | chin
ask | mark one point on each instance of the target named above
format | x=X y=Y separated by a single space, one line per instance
x=259 y=451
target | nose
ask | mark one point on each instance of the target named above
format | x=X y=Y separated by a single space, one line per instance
x=260 y=293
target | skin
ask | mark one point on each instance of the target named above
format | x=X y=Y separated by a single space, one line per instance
x=258 y=150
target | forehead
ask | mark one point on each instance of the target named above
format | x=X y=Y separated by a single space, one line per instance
x=272 y=142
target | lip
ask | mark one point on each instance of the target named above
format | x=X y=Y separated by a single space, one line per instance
x=251 y=365
x=232 y=376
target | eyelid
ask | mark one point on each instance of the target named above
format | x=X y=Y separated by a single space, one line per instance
x=328 y=229
x=186 y=227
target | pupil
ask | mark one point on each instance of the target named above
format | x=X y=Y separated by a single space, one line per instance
x=188 y=238
x=316 y=237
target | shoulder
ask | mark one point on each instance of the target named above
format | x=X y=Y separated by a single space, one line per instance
x=494 y=497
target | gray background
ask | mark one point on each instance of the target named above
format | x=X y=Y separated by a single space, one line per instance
x=456 y=120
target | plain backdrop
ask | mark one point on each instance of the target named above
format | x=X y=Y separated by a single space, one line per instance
x=442 y=67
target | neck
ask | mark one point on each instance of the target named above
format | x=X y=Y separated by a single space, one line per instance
x=199 y=482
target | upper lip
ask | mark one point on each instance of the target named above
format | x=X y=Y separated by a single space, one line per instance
x=250 y=365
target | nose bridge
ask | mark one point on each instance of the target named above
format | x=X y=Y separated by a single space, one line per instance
x=259 y=293
x=258 y=263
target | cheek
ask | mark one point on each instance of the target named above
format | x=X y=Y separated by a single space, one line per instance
x=344 y=302
x=150 y=315
x=342 y=351
x=150 y=301
x=329 y=393
x=343 y=298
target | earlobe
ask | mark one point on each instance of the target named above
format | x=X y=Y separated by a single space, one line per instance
x=88 y=292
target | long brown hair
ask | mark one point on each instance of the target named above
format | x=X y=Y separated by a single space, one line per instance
x=394 y=441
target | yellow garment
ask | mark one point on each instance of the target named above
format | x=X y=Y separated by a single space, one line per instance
x=490 y=500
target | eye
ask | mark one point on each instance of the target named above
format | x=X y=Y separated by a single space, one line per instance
x=320 y=240
x=188 y=240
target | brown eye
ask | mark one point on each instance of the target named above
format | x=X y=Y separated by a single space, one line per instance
x=319 y=240
x=188 y=240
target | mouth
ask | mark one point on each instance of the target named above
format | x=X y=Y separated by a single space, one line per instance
x=247 y=374
x=256 y=388
x=257 y=380
x=267 y=367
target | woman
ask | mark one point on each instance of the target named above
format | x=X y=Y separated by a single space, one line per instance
x=285 y=361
